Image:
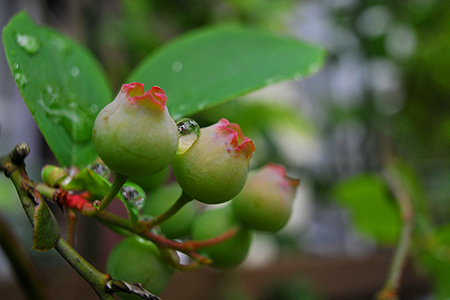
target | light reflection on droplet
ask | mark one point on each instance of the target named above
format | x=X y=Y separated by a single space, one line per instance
x=133 y=196
x=100 y=169
x=189 y=132
x=75 y=71
x=30 y=44
x=177 y=66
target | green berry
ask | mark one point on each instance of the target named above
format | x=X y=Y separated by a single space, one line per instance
x=177 y=226
x=135 y=260
x=215 y=167
x=265 y=202
x=151 y=182
x=228 y=253
x=134 y=134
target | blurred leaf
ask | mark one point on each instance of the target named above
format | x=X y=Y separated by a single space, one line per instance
x=46 y=229
x=436 y=258
x=133 y=197
x=62 y=84
x=98 y=186
x=374 y=211
x=88 y=180
x=259 y=115
x=413 y=183
x=210 y=66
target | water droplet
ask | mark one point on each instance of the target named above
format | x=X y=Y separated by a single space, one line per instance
x=313 y=68
x=96 y=203
x=177 y=66
x=275 y=79
x=60 y=45
x=94 y=108
x=30 y=44
x=202 y=104
x=100 y=169
x=75 y=72
x=189 y=132
x=133 y=196
x=298 y=77
x=20 y=79
x=63 y=109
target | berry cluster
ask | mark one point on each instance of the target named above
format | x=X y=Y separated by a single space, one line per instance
x=137 y=139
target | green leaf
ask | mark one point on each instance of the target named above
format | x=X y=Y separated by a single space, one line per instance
x=134 y=200
x=62 y=84
x=254 y=116
x=435 y=256
x=98 y=186
x=210 y=66
x=88 y=180
x=374 y=211
x=414 y=185
x=46 y=229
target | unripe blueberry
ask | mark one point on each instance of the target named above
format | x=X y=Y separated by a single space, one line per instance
x=177 y=226
x=151 y=182
x=215 y=168
x=136 y=260
x=134 y=134
x=265 y=202
x=213 y=223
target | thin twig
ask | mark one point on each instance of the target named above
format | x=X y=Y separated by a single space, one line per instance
x=14 y=168
x=391 y=286
x=182 y=200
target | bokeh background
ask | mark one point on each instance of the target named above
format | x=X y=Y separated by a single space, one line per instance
x=384 y=91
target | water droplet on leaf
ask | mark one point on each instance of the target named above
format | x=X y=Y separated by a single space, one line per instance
x=94 y=108
x=30 y=44
x=75 y=71
x=20 y=79
x=60 y=45
x=96 y=203
x=177 y=66
x=131 y=195
x=188 y=131
x=298 y=77
x=100 y=169
x=62 y=108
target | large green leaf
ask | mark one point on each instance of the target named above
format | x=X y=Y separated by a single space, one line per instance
x=62 y=85
x=210 y=66
x=373 y=210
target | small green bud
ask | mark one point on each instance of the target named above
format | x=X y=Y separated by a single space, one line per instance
x=215 y=167
x=53 y=175
x=265 y=202
x=134 y=135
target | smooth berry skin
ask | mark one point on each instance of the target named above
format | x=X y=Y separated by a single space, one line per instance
x=134 y=135
x=177 y=226
x=229 y=253
x=215 y=168
x=265 y=202
x=137 y=261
